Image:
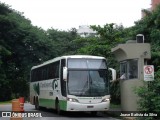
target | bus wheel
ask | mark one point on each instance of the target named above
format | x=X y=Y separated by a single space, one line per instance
x=36 y=104
x=58 y=107
x=94 y=113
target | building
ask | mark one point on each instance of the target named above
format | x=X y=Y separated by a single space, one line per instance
x=154 y=4
x=86 y=31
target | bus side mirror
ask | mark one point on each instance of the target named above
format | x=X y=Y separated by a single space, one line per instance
x=64 y=73
x=113 y=73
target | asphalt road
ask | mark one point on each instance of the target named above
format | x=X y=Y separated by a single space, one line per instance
x=49 y=114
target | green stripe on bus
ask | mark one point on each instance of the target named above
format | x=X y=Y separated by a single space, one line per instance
x=50 y=103
x=47 y=102
x=63 y=105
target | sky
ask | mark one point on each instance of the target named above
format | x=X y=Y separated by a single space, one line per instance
x=67 y=14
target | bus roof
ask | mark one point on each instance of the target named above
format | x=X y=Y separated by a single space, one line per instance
x=66 y=57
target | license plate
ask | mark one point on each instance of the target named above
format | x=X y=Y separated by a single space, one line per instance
x=89 y=106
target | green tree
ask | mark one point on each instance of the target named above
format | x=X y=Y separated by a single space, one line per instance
x=149 y=95
x=21 y=46
x=62 y=41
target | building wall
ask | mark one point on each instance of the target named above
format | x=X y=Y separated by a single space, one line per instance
x=86 y=31
x=130 y=51
x=154 y=3
x=143 y=14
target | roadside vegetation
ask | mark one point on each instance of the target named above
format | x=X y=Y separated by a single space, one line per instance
x=5 y=102
x=23 y=45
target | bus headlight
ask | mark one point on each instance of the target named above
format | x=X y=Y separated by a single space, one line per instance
x=72 y=100
x=106 y=100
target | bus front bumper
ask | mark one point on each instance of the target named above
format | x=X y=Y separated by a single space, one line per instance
x=75 y=106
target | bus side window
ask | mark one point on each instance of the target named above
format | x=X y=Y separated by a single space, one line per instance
x=32 y=75
x=56 y=70
x=39 y=74
x=63 y=83
x=51 y=71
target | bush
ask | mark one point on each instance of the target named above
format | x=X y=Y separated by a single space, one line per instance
x=150 y=96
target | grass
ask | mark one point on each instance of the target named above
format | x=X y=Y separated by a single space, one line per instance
x=5 y=102
x=115 y=105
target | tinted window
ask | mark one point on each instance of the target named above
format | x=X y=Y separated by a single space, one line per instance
x=63 y=83
x=129 y=69
x=88 y=83
x=87 y=63
x=50 y=71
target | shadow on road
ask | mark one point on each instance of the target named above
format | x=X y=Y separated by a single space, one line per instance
x=52 y=113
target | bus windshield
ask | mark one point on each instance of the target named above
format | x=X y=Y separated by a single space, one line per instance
x=87 y=63
x=87 y=78
x=87 y=83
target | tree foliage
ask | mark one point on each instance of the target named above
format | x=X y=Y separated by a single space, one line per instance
x=62 y=41
x=150 y=27
x=149 y=101
x=21 y=46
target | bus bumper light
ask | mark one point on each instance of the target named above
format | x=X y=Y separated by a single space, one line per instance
x=106 y=100
x=72 y=100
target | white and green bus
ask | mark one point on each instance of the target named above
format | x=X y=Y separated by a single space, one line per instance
x=72 y=83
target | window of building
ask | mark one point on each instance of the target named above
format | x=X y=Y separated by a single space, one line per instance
x=123 y=70
x=129 y=69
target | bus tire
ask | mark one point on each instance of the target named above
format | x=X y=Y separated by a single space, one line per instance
x=34 y=100
x=58 y=111
x=94 y=113
x=36 y=104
